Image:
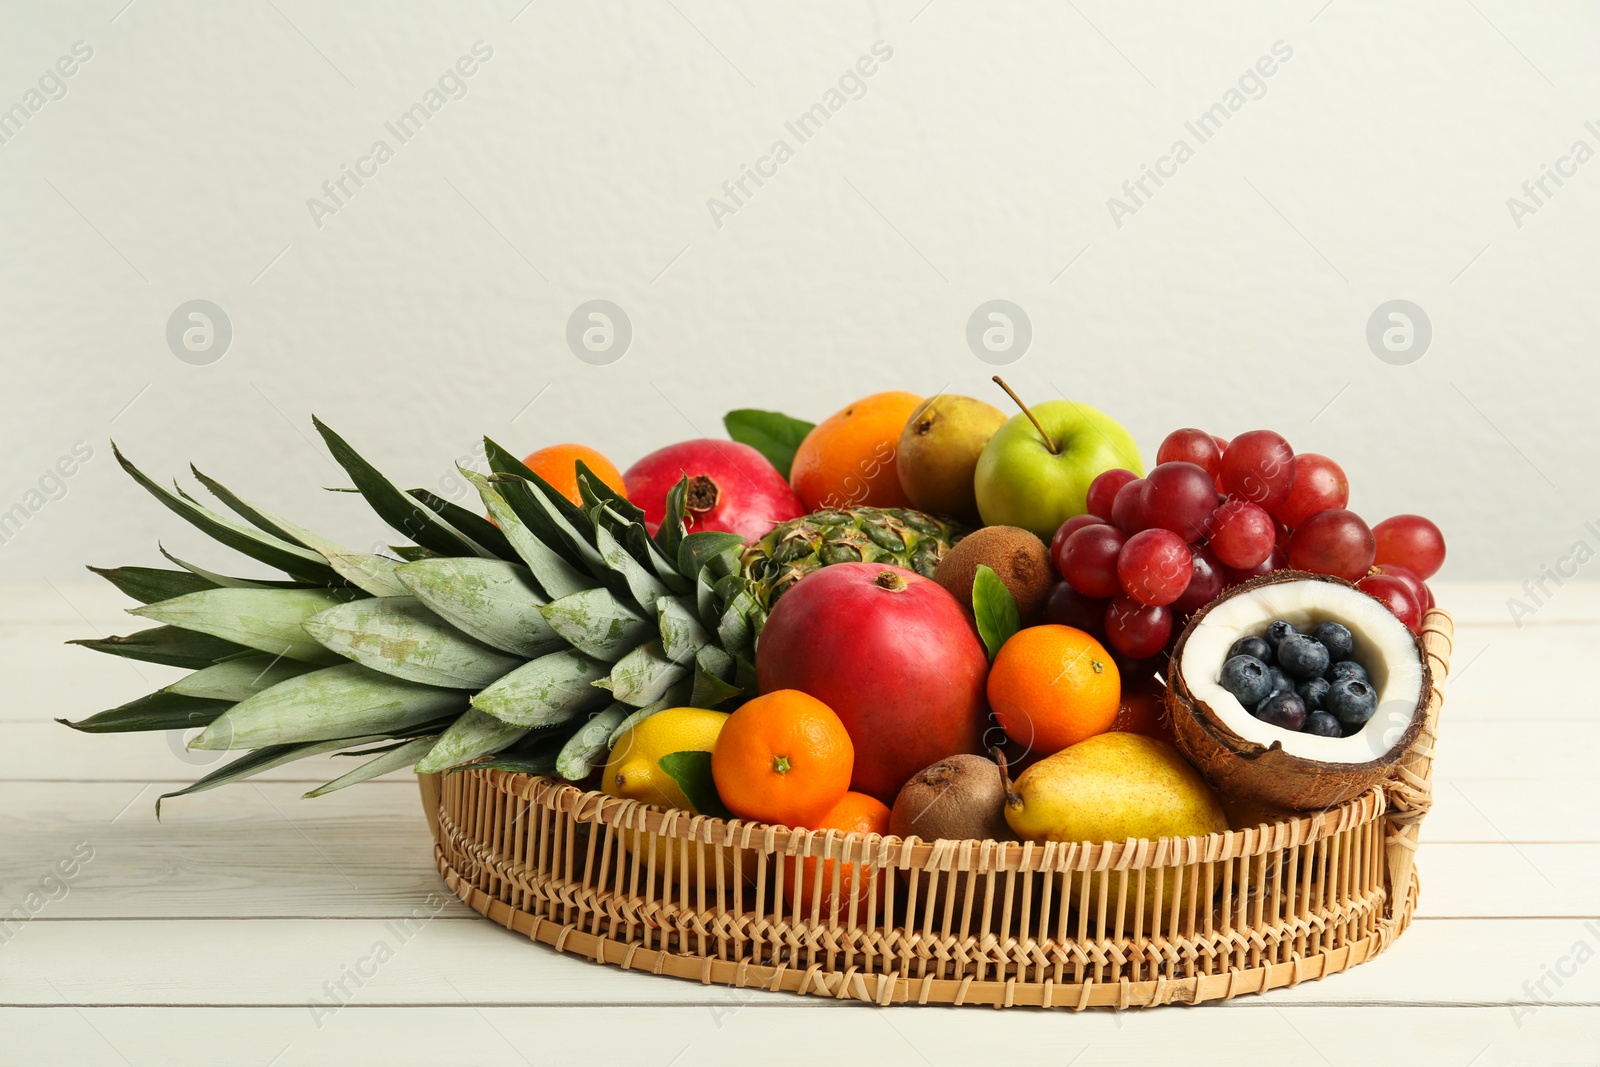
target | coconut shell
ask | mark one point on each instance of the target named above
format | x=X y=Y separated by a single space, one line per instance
x=1250 y=771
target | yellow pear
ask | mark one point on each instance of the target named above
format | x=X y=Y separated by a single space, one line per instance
x=1113 y=787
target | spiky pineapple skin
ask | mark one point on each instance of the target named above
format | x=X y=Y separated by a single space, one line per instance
x=901 y=537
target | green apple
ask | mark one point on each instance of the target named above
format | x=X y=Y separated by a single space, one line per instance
x=1022 y=480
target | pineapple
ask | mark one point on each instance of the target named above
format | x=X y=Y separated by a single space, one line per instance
x=794 y=549
x=528 y=642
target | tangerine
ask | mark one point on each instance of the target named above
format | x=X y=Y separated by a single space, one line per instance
x=558 y=465
x=1053 y=686
x=848 y=459
x=783 y=757
x=855 y=813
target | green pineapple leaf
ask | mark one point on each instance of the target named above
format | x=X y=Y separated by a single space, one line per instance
x=548 y=691
x=535 y=754
x=554 y=573
x=390 y=759
x=595 y=492
x=642 y=676
x=259 y=519
x=168 y=645
x=399 y=636
x=473 y=735
x=586 y=751
x=489 y=599
x=267 y=620
x=394 y=506
x=597 y=623
x=692 y=771
x=223 y=581
x=669 y=535
x=995 y=610
x=149 y=584
x=470 y=523
x=264 y=759
x=265 y=548
x=774 y=435
x=699 y=549
x=161 y=710
x=240 y=678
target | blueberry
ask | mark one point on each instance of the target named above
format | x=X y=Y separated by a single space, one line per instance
x=1323 y=724
x=1278 y=631
x=1284 y=710
x=1352 y=699
x=1247 y=678
x=1252 y=646
x=1336 y=638
x=1346 y=668
x=1281 y=683
x=1313 y=692
x=1302 y=657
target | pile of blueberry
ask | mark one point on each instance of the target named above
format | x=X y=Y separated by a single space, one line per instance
x=1306 y=683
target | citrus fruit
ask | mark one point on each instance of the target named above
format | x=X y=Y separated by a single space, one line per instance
x=558 y=465
x=855 y=813
x=783 y=757
x=848 y=459
x=1053 y=686
x=633 y=770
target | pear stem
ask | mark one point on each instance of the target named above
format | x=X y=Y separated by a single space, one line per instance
x=1013 y=799
x=1048 y=443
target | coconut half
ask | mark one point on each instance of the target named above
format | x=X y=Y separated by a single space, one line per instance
x=1252 y=760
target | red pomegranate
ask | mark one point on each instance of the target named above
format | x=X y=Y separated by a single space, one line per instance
x=732 y=488
x=893 y=654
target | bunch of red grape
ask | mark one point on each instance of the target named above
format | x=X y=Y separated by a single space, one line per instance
x=1212 y=514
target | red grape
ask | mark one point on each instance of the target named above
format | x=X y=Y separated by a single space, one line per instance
x=1393 y=593
x=1419 y=591
x=1154 y=567
x=1258 y=466
x=1127 y=513
x=1282 y=538
x=1222 y=443
x=1088 y=560
x=1103 y=490
x=1319 y=484
x=1428 y=603
x=1191 y=446
x=1066 y=530
x=1242 y=534
x=1137 y=630
x=1205 y=582
x=1068 y=607
x=1179 y=497
x=1275 y=562
x=1411 y=541
x=1334 y=542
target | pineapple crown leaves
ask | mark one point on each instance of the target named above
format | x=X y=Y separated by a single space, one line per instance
x=529 y=637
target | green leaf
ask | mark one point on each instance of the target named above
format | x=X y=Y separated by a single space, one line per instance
x=595 y=491
x=263 y=760
x=473 y=735
x=596 y=622
x=551 y=569
x=681 y=633
x=240 y=678
x=643 y=675
x=223 y=581
x=149 y=584
x=391 y=759
x=711 y=667
x=268 y=620
x=402 y=512
x=260 y=520
x=535 y=754
x=399 y=636
x=699 y=549
x=774 y=435
x=692 y=771
x=161 y=710
x=168 y=645
x=994 y=609
x=550 y=690
x=489 y=599
x=470 y=523
x=273 y=551
x=586 y=751
x=669 y=535
x=344 y=701
x=643 y=586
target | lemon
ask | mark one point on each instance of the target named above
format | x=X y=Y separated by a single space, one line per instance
x=633 y=770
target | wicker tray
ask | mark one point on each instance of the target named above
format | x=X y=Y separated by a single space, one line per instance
x=1053 y=925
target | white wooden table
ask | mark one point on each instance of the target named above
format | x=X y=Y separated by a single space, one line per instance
x=222 y=934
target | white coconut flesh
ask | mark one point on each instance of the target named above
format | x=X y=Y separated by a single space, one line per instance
x=1383 y=646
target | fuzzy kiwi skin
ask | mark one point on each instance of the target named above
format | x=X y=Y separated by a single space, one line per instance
x=958 y=798
x=1018 y=558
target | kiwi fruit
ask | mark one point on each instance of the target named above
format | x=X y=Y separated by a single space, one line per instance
x=958 y=798
x=1018 y=558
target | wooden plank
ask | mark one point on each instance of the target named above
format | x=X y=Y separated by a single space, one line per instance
x=1248 y=1032
x=374 y=962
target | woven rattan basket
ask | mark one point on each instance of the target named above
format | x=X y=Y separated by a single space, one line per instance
x=947 y=922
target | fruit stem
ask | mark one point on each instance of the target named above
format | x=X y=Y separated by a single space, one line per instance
x=1051 y=445
x=1013 y=799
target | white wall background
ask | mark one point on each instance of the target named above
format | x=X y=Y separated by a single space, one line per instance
x=432 y=307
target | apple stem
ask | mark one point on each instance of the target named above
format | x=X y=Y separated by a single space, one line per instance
x=1051 y=445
